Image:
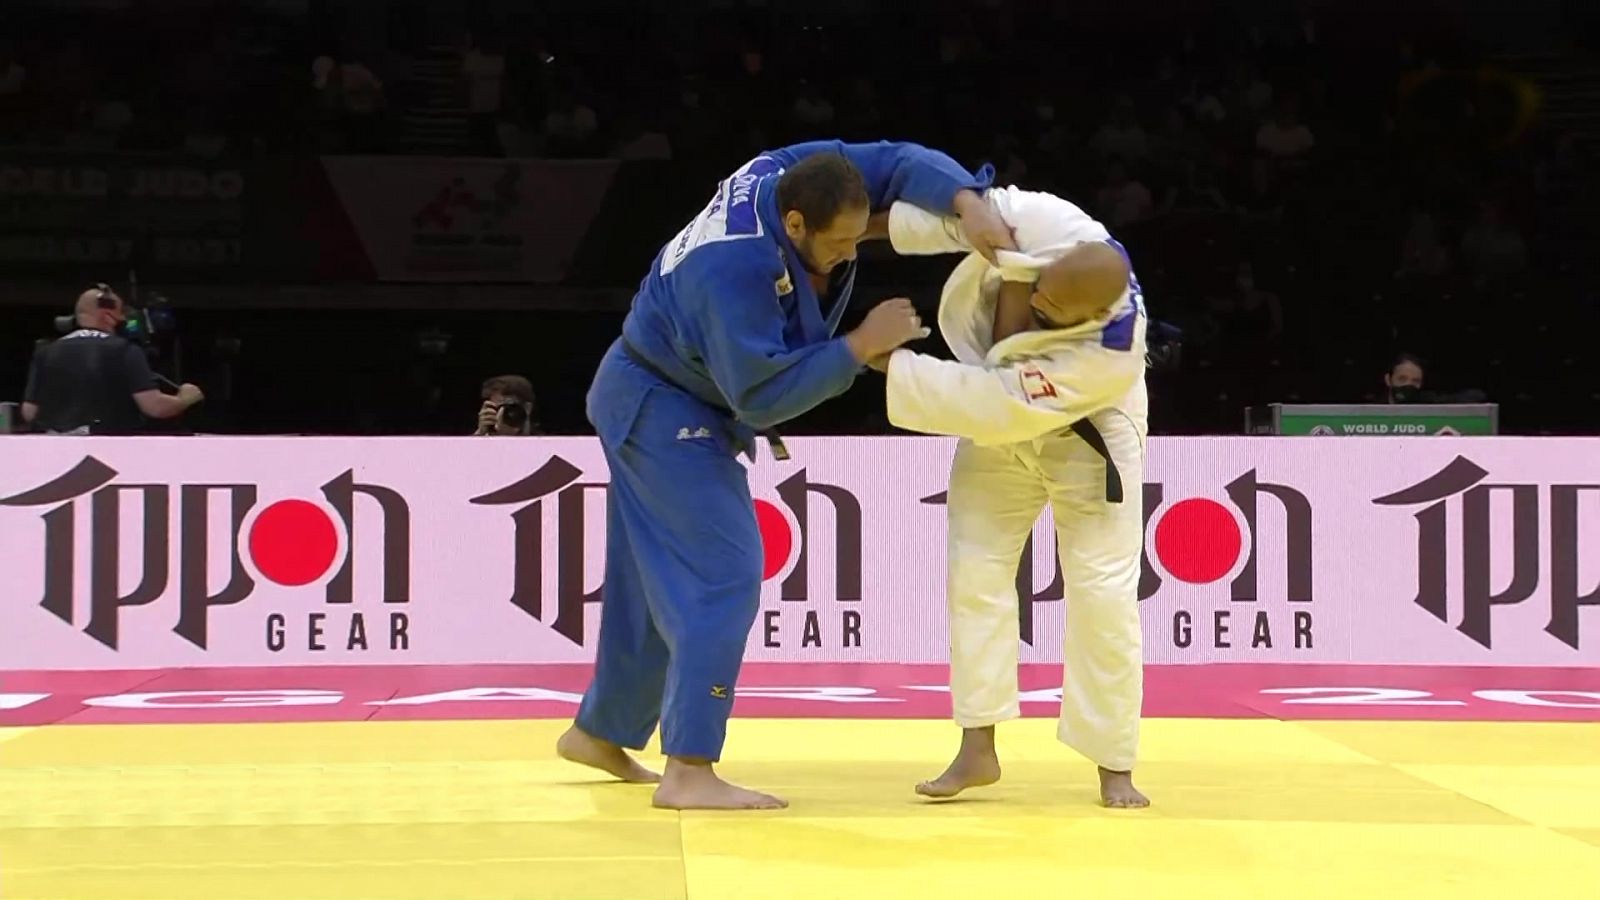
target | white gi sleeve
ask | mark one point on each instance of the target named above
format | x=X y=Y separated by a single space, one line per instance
x=913 y=231
x=1000 y=405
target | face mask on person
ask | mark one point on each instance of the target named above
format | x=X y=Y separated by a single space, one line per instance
x=1405 y=393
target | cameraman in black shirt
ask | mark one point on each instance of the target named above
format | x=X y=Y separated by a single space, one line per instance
x=508 y=407
x=93 y=382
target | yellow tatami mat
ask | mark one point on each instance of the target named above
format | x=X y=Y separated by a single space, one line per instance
x=444 y=810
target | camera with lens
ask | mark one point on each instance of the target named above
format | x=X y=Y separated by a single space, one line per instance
x=513 y=413
x=142 y=325
x=1163 y=346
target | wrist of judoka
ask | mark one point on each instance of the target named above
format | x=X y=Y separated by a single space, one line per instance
x=966 y=201
x=860 y=355
x=877 y=227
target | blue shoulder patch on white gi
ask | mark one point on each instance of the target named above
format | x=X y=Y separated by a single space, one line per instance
x=1118 y=333
x=731 y=214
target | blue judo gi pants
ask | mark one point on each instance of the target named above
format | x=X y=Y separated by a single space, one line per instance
x=683 y=567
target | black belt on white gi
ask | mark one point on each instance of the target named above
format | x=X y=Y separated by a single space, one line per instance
x=774 y=440
x=1085 y=429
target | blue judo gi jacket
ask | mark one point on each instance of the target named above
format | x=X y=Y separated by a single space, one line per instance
x=727 y=313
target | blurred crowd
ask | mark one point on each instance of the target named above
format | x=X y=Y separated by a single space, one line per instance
x=1306 y=188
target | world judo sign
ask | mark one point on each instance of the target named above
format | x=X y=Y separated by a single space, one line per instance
x=292 y=543
x=789 y=555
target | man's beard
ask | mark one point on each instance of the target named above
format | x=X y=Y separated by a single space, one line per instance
x=806 y=259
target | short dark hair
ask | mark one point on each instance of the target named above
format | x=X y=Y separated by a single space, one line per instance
x=509 y=386
x=820 y=187
x=1403 y=358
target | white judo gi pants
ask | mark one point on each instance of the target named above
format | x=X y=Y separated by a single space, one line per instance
x=996 y=496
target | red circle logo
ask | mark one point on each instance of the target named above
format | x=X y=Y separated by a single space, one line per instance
x=777 y=539
x=1198 y=540
x=293 y=542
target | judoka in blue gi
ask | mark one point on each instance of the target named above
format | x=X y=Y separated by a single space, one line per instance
x=726 y=339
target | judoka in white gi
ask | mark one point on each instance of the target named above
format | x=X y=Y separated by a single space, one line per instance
x=1048 y=396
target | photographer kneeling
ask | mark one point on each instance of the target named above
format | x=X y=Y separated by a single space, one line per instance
x=92 y=381
x=508 y=407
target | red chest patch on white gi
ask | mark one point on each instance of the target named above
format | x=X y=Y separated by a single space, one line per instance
x=1035 y=385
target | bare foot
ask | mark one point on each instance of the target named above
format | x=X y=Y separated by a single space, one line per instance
x=587 y=750
x=688 y=786
x=976 y=764
x=1117 y=791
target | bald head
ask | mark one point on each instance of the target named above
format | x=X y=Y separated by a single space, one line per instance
x=1081 y=284
x=91 y=314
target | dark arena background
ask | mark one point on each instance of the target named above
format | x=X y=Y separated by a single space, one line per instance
x=314 y=637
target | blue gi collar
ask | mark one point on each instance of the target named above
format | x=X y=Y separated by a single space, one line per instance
x=813 y=327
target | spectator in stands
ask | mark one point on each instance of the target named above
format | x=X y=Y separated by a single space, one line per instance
x=1201 y=191
x=201 y=137
x=363 y=90
x=1122 y=200
x=483 y=67
x=753 y=87
x=1177 y=143
x=1201 y=101
x=1121 y=136
x=509 y=407
x=1010 y=167
x=862 y=117
x=13 y=79
x=1251 y=94
x=1559 y=174
x=63 y=88
x=569 y=127
x=1492 y=249
x=1255 y=313
x=1285 y=137
x=1423 y=253
x=636 y=139
x=812 y=112
x=1053 y=137
x=1403 y=382
x=107 y=117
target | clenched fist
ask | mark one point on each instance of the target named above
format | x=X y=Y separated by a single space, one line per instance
x=890 y=324
x=488 y=417
x=985 y=231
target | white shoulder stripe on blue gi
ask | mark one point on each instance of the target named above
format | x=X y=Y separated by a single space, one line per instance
x=729 y=216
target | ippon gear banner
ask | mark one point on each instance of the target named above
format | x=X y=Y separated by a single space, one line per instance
x=437 y=220
x=166 y=552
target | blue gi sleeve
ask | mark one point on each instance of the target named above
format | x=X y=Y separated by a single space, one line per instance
x=900 y=171
x=740 y=324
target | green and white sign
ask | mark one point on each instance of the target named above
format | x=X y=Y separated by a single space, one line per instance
x=1365 y=420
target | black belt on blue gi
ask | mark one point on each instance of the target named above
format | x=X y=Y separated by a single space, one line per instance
x=774 y=440
x=1085 y=429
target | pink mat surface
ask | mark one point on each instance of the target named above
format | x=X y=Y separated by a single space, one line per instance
x=783 y=690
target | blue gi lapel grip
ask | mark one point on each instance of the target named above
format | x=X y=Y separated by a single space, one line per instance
x=836 y=314
x=813 y=327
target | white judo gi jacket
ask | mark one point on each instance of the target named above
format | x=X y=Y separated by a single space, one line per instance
x=1013 y=404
